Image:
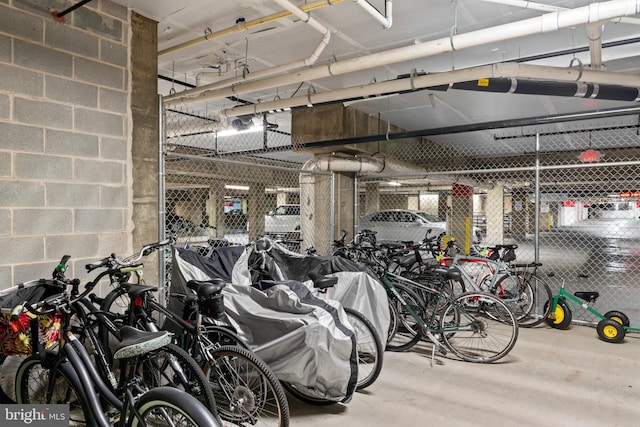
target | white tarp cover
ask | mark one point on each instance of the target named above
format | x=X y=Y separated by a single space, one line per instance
x=305 y=340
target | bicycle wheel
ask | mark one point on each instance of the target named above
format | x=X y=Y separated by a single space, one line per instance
x=405 y=300
x=8 y=368
x=477 y=336
x=32 y=382
x=540 y=308
x=369 y=347
x=245 y=389
x=166 y=406
x=172 y=366
x=561 y=317
x=515 y=291
x=308 y=395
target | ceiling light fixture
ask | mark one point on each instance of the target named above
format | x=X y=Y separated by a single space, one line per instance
x=394 y=183
x=236 y=187
x=230 y=132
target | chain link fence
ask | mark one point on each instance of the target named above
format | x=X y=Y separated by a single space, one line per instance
x=570 y=199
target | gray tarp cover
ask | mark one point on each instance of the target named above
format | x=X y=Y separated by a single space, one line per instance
x=305 y=340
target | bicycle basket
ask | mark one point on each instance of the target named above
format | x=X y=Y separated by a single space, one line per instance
x=508 y=255
x=15 y=335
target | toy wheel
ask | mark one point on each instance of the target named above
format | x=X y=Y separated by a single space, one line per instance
x=618 y=316
x=610 y=330
x=561 y=317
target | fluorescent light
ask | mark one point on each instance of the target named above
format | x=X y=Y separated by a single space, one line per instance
x=237 y=187
x=230 y=132
x=394 y=183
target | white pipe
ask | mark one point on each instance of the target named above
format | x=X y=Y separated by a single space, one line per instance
x=505 y=69
x=550 y=8
x=386 y=19
x=594 y=32
x=594 y=12
x=360 y=165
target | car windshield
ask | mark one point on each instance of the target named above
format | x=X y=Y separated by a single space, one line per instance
x=429 y=217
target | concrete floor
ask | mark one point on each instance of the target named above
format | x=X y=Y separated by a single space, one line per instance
x=553 y=377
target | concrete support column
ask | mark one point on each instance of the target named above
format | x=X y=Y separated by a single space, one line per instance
x=444 y=208
x=345 y=199
x=144 y=134
x=494 y=209
x=461 y=219
x=520 y=223
x=255 y=210
x=315 y=212
x=215 y=208
x=372 y=197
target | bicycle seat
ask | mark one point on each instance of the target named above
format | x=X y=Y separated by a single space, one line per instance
x=322 y=282
x=206 y=288
x=589 y=296
x=136 y=290
x=450 y=273
x=406 y=260
x=135 y=342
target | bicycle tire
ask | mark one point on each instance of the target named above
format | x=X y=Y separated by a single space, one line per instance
x=515 y=291
x=245 y=388
x=477 y=336
x=8 y=368
x=156 y=370
x=370 y=349
x=541 y=296
x=562 y=315
x=164 y=406
x=32 y=380
x=407 y=333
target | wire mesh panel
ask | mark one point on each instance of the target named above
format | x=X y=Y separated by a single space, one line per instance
x=228 y=187
x=570 y=200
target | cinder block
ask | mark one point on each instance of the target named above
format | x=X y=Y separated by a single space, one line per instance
x=77 y=245
x=16 y=193
x=70 y=39
x=113 y=100
x=114 y=197
x=5 y=222
x=99 y=73
x=73 y=195
x=99 y=24
x=5 y=107
x=71 y=143
x=97 y=122
x=42 y=58
x=42 y=221
x=118 y=243
x=115 y=9
x=90 y=171
x=20 y=81
x=20 y=24
x=18 y=250
x=113 y=148
x=34 y=271
x=46 y=114
x=21 y=138
x=114 y=53
x=97 y=220
x=36 y=166
x=5 y=49
x=6 y=281
x=5 y=165
x=72 y=92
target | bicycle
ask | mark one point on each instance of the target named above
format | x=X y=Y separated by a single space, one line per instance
x=67 y=375
x=517 y=285
x=475 y=326
x=244 y=387
x=612 y=327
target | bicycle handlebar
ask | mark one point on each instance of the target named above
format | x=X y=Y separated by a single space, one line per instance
x=114 y=261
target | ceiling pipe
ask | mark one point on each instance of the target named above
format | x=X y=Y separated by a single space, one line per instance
x=594 y=33
x=386 y=19
x=416 y=82
x=244 y=26
x=551 y=8
x=356 y=164
x=594 y=12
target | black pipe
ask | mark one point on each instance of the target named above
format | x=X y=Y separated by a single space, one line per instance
x=498 y=124
x=59 y=16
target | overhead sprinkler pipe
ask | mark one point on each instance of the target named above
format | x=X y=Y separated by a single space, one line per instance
x=360 y=164
x=386 y=19
x=594 y=12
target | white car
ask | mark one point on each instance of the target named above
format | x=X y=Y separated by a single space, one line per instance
x=405 y=225
x=283 y=220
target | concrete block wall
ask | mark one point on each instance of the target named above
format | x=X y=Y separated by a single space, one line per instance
x=65 y=145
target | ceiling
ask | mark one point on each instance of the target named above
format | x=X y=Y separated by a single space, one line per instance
x=260 y=47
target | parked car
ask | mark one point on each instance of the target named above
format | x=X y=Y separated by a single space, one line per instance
x=283 y=221
x=405 y=225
